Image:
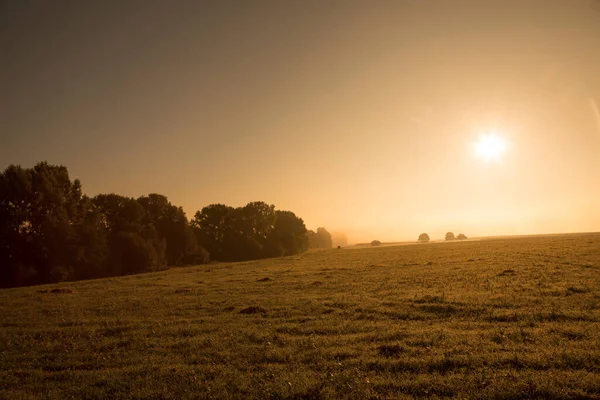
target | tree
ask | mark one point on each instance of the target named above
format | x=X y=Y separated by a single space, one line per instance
x=172 y=225
x=461 y=236
x=130 y=233
x=40 y=210
x=247 y=230
x=324 y=239
x=423 y=238
x=375 y=243
x=288 y=236
x=450 y=236
x=313 y=242
x=210 y=227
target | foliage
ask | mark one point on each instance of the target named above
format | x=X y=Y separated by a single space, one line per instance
x=254 y=231
x=375 y=243
x=450 y=236
x=424 y=238
x=461 y=236
x=42 y=213
x=50 y=232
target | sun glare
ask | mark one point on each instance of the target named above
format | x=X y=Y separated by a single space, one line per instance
x=490 y=147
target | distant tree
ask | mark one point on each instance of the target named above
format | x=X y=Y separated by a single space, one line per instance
x=210 y=226
x=324 y=239
x=172 y=226
x=133 y=254
x=375 y=243
x=288 y=236
x=423 y=238
x=313 y=242
x=450 y=236
x=128 y=227
x=461 y=236
x=51 y=232
x=41 y=214
x=247 y=230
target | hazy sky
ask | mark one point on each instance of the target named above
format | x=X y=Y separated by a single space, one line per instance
x=358 y=116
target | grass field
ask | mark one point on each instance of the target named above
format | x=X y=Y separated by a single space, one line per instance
x=490 y=319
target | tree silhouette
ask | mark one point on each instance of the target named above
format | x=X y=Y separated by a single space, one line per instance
x=424 y=238
x=324 y=238
x=375 y=243
x=172 y=225
x=51 y=232
x=450 y=236
x=313 y=242
x=42 y=213
x=210 y=226
x=288 y=236
x=461 y=236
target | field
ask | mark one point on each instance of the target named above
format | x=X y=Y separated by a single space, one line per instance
x=490 y=319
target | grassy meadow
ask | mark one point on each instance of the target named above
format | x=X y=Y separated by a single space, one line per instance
x=492 y=319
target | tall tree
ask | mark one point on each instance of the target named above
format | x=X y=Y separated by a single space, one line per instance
x=324 y=238
x=134 y=244
x=39 y=209
x=210 y=226
x=172 y=225
x=288 y=236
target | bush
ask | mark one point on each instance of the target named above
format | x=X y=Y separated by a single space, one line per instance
x=375 y=243
x=461 y=236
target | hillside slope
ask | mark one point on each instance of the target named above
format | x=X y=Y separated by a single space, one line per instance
x=496 y=319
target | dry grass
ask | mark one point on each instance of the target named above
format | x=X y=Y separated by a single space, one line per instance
x=491 y=319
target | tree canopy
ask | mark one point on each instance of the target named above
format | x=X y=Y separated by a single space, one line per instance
x=424 y=238
x=51 y=232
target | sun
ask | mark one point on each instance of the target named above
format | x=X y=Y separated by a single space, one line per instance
x=490 y=147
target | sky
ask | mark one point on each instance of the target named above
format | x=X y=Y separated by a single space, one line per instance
x=359 y=116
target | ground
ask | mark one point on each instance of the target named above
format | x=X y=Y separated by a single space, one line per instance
x=492 y=319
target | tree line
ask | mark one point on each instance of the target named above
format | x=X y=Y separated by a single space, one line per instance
x=51 y=232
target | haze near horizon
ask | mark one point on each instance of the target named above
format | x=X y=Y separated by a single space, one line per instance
x=378 y=119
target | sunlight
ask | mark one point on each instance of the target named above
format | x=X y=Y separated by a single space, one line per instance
x=490 y=147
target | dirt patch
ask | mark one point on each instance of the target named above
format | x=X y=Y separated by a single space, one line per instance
x=267 y=279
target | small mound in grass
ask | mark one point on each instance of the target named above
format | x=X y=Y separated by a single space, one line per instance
x=56 y=291
x=508 y=272
x=390 y=350
x=253 y=310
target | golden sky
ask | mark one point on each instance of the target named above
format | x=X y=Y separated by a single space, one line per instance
x=360 y=116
